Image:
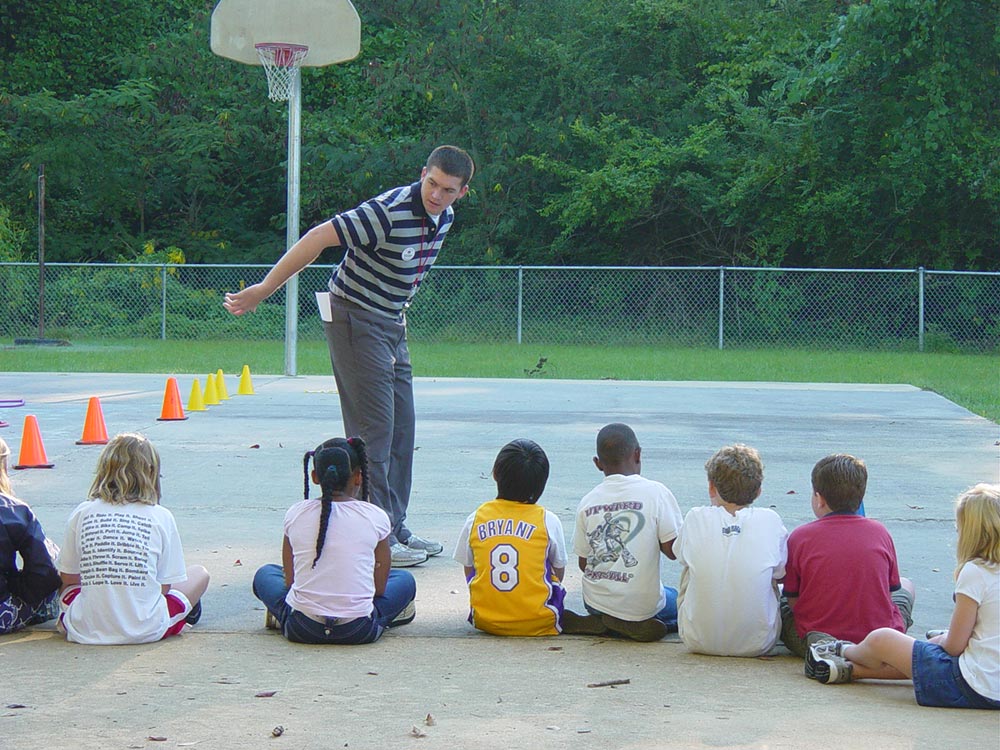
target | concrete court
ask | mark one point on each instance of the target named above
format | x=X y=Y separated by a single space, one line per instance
x=230 y=473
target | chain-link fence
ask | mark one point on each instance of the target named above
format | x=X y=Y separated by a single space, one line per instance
x=651 y=306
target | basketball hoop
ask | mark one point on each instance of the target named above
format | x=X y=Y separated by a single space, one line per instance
x=280 y=62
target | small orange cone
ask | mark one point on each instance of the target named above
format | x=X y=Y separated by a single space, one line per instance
x=220 y=386
x=196 y=401
x=94 y=431
x=172 y=410
x=211 y=394
x=32 y=454
x=246 y=384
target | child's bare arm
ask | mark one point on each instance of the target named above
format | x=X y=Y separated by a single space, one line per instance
x=667 y=548
x=583 y=564
x=963 y=620
x=383 y=561
x=287 y=562
x=469 y=572
x=558 y=573
x=69 y=579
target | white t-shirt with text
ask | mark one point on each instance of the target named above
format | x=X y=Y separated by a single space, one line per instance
x=123 y=554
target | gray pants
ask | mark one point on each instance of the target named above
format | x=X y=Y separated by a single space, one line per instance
x=371 y=364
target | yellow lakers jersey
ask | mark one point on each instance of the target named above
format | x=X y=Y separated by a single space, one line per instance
x=511 y=591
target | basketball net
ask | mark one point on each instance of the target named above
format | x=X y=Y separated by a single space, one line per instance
x=280 y=61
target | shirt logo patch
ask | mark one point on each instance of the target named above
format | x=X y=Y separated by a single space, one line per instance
x=408 y=253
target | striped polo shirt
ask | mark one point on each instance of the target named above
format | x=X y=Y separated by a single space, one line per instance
x=391 y=243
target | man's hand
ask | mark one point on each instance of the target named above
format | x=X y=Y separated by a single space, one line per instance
x=244 y=301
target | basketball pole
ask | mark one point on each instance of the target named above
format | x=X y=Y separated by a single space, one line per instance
x=292 y=219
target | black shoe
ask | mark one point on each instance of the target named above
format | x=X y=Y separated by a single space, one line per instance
x=194 y=615
x=574 y=624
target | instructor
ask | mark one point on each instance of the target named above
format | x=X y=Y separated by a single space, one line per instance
x=391 y=242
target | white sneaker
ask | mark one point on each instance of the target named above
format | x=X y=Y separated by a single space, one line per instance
x=426 y=545
x=405 y=617
x=405 y=557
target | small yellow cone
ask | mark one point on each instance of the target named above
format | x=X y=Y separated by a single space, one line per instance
x=211 y=394
x=246 y=384
x=196 y=402
x=220 y=386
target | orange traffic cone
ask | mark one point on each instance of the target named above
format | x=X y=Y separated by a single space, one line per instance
x=211 y=394
x=32 y=454
x=246 y=384
x=94 y=431
x=196 y=401
x=172 y=410
x=220 y=386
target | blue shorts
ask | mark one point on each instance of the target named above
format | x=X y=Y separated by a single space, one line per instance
x=938 y=681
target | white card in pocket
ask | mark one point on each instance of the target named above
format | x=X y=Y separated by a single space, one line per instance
x=323 y=303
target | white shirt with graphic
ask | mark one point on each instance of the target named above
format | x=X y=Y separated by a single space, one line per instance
x=620 y=525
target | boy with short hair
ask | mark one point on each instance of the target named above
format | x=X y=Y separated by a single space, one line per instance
x=622 y=527
x=732 y=555
x=842 y=577
x=514 y=551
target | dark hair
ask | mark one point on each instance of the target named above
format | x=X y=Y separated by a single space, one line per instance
x=453 y=161
x=615 y=443
x=334 y=462
x=841 y=479
x=521 y=471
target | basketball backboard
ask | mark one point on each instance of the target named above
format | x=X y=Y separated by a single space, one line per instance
x=331 y=29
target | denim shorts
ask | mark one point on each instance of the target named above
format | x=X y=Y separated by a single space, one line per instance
x=938 y=681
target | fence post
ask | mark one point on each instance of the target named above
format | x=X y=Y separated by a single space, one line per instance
x=163 y=302
x=722 y=304
x=520 y=300
x=920 y=308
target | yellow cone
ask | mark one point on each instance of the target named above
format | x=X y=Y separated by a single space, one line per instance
x=246 y=384
x=196 y=402
x=220 y=386
x=211 y=394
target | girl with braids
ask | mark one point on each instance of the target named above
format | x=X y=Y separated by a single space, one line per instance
x=335 y=584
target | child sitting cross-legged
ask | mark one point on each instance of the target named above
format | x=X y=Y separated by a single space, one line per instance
x=28 y=594
x=623 y=528
x=334 y=584
x=842 y=577
x=514 y=551
x=122 y=566
x=732 y=555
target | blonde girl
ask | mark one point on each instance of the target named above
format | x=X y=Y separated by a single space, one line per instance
x=122 y=566
x=959 y=668
x=28 y=593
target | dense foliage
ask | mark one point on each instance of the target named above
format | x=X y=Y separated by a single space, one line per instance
x=751 y=132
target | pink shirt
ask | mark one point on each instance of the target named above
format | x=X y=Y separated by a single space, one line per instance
x=343 y=582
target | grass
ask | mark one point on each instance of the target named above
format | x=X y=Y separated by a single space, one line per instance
x=972 y=380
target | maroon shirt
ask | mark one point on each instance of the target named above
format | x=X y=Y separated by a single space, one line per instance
x=842 y=567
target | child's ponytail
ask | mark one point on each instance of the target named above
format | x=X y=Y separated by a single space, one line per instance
x=333 y=464
x=362 y=453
